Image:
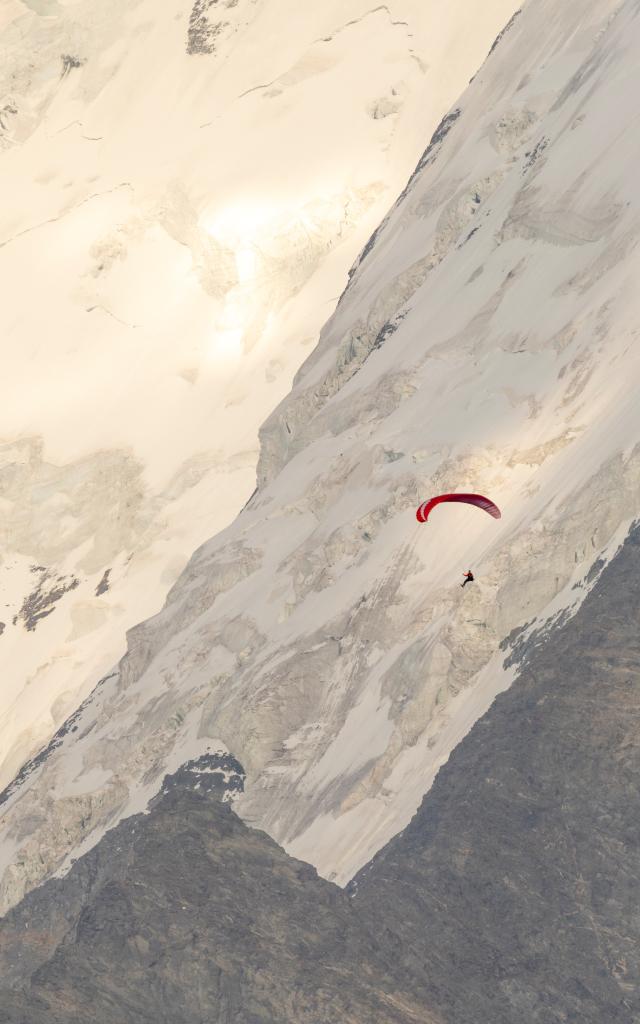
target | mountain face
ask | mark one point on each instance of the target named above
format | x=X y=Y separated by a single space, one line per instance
x=185 y=189
x=487 y=341
x=187 y=914
x=514 y=888
x=510 y=896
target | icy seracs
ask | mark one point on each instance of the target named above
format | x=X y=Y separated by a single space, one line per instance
x=487 y=340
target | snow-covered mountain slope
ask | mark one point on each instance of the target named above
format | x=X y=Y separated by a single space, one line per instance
x=487 y=341
x=511 y=894
x=184 y=191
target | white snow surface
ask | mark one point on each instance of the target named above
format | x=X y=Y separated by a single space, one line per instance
x=487 y=341
x=185 y=188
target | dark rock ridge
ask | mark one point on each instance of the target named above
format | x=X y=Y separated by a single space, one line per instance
x=428 y=157
x=511 y=897
x=186 y=915
x=502 y=34
x=38 y=762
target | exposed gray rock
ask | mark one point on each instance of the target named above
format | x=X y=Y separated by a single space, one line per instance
x=103 y=585
x=202 y=32
x=42 y=600
x=187 y=915
x=502 y=34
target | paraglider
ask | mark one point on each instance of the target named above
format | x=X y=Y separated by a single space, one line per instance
x=423 y=510
x=479 y=500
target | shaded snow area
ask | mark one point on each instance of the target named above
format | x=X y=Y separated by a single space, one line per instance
x=185 y=189
x=486 y=341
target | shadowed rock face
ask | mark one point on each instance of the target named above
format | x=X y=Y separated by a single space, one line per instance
x=186 y=914
x=514 y=890
x=511 y=898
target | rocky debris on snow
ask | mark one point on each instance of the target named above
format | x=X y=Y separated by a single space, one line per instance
x=8 y=111
x=103 y=585
x=504 y=31
x=202 y=32
x=70 y=62
x=41 y=602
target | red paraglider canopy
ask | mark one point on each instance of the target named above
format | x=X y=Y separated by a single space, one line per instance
x=422 y=513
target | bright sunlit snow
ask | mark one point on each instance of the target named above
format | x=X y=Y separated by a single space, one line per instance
x=181 y=207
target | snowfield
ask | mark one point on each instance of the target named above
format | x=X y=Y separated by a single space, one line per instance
x=185 y=190
x=487 y=341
